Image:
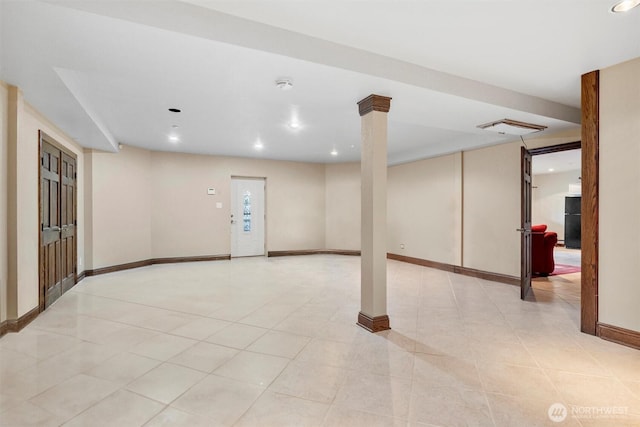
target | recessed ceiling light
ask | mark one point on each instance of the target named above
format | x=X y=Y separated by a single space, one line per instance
x=294 y=125
x=551 y=169
x=624 y=6
x=334 y=152
x=175 y=110
x=258 y=145
x=174 y=138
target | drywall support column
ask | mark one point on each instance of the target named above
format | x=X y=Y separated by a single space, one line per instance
x=373 y=286
x=15 y=104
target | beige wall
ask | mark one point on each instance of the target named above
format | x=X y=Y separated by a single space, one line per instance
x=28 y=206
x=22 y=206
x=186 y=222
x=121 y=207
x=3 y=199
x=342 y=217
x=425 y=209
x=619 y=249
x=295 y=201
x=87 y=178
x=547 y=196
x=155 y=204
x=470 y=205
x=491 y=212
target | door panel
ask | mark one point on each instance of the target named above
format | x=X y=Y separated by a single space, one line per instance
x=525 y=226
x=58 y=259
x=247 y=217
x=51 y=258
x=68 y=221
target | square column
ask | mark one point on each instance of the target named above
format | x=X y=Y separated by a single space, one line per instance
x=373 y=287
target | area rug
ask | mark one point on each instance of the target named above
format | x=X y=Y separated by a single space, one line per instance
x=565 y=269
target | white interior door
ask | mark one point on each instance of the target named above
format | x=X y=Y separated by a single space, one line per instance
x=247 y=217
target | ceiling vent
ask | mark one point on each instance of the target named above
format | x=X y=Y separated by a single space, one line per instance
x=512 y=127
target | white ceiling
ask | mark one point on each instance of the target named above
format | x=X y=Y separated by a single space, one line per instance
x=562 y=161
x=107 y=71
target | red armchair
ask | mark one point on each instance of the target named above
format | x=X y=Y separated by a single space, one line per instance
x=542 y=244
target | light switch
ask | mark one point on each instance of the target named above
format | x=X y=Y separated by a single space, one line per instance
x=211 y=191
x=219 y=205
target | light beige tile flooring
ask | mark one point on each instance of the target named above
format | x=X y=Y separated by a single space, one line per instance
x=273 y=342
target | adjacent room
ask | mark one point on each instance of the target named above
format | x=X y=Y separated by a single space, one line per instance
x=556 y=201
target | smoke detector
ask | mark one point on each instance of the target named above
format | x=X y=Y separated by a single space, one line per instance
x=284 y=84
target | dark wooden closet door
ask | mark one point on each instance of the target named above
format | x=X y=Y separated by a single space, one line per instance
x=68 y=221
x=51 y=226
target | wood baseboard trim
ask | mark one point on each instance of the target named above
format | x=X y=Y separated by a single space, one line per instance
x=16 y=325
x=485 y=275
x=480 y=274
x=80 y=277
x=119 y=267
x=174 y=260
x=152 y=261
x=373 y=324
x=619 y=335
x=313 y=252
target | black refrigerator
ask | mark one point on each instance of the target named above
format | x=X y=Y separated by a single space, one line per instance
x=572 y=222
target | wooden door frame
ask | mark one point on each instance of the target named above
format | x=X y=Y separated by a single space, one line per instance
x=526 y=161
x=589 y=228
x=43 y=137
x=590 y=93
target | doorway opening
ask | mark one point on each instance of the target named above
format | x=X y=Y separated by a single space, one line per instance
x=527 y=231
x=556 y=215
x=248 y=216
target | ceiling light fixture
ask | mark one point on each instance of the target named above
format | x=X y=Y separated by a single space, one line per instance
x=174 y=138
x=334 y=152
x=258 y=145
x=294 y=125
x=284 y=83
x=512 y=127
x=624 y=6
x=551 y=169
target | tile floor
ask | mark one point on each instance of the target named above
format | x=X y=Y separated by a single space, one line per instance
x=273 y=342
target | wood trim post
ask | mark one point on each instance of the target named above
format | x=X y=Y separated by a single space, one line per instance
x=590 y=201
